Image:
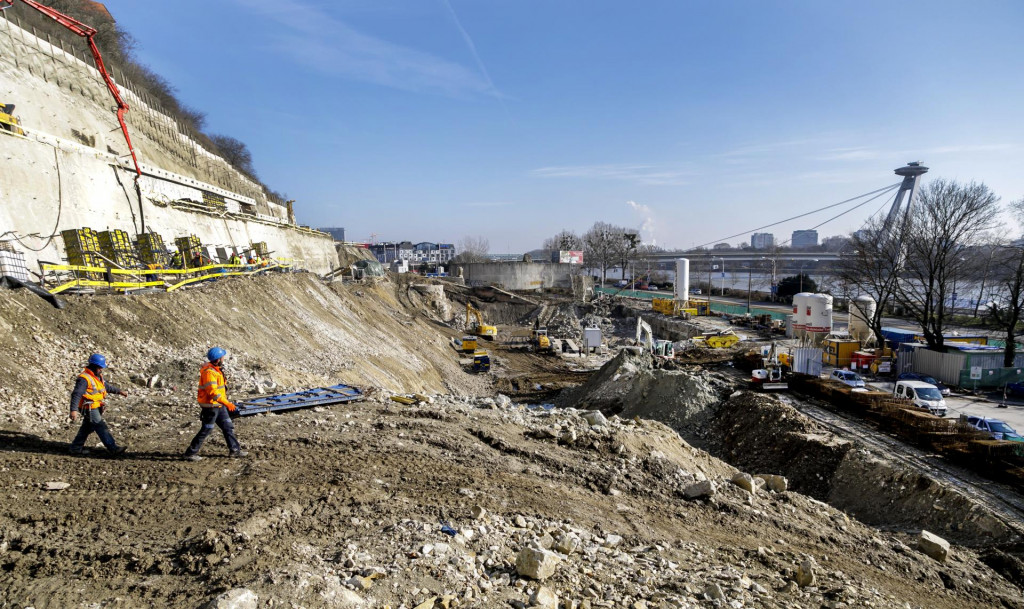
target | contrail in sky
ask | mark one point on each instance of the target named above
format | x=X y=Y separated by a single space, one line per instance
x=476 y=56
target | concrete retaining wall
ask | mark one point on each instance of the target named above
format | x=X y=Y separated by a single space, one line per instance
x=71 y=170
x=518 y=275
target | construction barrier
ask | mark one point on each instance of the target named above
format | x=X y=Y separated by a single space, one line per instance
x=169 y=279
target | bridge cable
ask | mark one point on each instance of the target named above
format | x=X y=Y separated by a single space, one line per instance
x=867 y=194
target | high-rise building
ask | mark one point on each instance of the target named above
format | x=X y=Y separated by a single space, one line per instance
x=804 y=238
x=762 y=241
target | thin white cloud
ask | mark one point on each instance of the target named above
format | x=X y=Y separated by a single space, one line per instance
x=319 y=41
x=873 y=154
x=655 y=175
x=647 y=221
x=489 y=204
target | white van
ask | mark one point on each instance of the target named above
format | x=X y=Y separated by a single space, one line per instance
x=924 y=395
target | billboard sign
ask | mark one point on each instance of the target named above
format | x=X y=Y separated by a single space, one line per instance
x=570 y=257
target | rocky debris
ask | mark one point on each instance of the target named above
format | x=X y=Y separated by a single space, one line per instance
x=774 y=483
x=745 y=482
x=595 y=418
x=699 y=490
x=933 y=545
x=544 y=598
x=56 y=486
x=805 y=573
x=239 y=598
x=536 y=563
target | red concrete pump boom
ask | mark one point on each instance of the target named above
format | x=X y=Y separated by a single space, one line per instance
x=88 y=33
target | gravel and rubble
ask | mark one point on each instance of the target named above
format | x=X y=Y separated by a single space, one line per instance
x=467 y=499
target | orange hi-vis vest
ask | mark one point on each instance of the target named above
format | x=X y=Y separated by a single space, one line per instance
x=212 y=389
x=95 y=392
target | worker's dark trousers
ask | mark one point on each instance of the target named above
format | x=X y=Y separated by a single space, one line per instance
x=210 y=417
x=92 y=420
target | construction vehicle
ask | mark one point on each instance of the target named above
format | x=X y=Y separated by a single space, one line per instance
x=540 y=340
x=722 y=339
x=645 y=337
x=469 y=344
x=772 y=376
x=481 y=361
x=479 y=328
x=670 y=307
x=8 y=121
x=89 y=33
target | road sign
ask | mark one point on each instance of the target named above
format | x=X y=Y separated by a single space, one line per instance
x=975 y=373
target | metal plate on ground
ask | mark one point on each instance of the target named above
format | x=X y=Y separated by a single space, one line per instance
x=318 y=396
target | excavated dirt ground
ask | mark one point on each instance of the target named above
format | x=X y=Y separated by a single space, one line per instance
x=344 y=506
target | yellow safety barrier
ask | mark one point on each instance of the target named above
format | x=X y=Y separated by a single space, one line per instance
x=220 y=270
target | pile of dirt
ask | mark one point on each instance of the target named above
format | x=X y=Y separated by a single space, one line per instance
x=761 y=432
x=281 y=331
x=632 y=385
x=463 y=502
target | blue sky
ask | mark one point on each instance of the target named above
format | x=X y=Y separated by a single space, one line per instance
x=513 y=119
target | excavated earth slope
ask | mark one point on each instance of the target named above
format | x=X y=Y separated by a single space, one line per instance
x=376 y=504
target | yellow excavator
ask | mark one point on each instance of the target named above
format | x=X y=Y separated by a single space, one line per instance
x=479 y=328
x=539 y=339
x=723 y=339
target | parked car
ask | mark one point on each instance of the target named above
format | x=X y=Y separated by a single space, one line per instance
x=1015 y=389
x=924 y=395
x=996 y=428
x=695 y=291
x=652 y=287
x=847 y=377
x=914 y=376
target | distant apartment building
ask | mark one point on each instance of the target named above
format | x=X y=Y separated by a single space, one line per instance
x=721 y=246
x=418 y=253
x=762 y=241
x=804 y=238
x=337 y=233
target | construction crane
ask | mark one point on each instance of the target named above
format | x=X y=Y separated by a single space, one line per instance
x=89 y=33
x=479 y=328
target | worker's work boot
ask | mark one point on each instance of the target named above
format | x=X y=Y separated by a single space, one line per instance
x=119 y=451
x=238 y=453
x=192 y=458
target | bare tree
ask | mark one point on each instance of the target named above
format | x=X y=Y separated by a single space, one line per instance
x=603 y=247
x=947 y=218
x=235 y=152
x=871 y=266
x=1006 y=310
x=473 y=249
x=566 y=240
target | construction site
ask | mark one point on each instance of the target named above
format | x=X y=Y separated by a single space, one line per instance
x=430 y=443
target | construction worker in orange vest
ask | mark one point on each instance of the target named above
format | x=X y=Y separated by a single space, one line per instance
x=216 y=409
x=88 y=398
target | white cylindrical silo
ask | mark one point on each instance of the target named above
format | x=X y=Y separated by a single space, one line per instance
x=819 y=314
x=682 y=280
x=799 y=313
x=789 y=326
x=862 y=311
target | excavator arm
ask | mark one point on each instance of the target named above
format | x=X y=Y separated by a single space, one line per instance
x=89 y=33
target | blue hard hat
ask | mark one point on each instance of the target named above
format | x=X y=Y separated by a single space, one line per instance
x=215 y=354
x=98 y=360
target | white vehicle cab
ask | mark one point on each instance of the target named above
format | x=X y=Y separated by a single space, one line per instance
x=924 y=395
x=848 y=377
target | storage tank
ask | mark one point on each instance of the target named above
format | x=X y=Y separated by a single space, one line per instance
x=799 y=314
x=818 y=318
x=682 y=289
x=862 y=310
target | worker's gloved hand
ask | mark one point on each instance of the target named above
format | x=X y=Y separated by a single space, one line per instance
x=74 y=416
x=233 y=412
x=123 y=393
